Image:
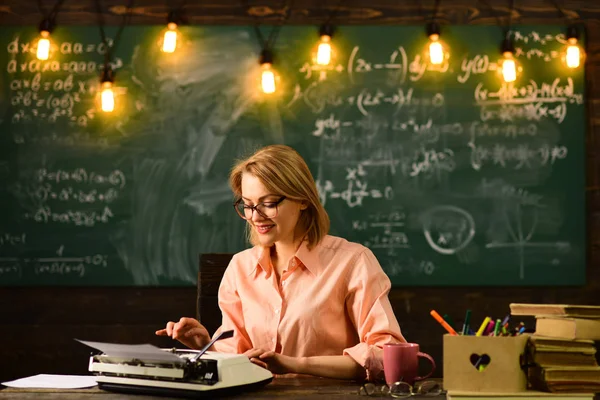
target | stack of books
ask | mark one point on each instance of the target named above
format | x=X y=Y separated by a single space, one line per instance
x=562 y=353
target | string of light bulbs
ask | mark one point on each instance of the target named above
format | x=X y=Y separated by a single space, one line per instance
x=107 y=94
x=46 y=27
x=322 y=56
x=437 y=50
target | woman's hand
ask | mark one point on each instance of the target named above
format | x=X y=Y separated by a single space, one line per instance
x=276 y=363
x=188 y=331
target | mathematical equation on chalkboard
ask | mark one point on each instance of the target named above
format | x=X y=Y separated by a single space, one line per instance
x=58 y=194
x=52 y=90
x=432 y=167
x=13 y=267
x=404 y=132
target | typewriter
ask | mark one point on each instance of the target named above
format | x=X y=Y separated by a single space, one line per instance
x=145 y=369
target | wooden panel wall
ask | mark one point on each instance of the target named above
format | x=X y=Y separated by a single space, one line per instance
x=37 y=325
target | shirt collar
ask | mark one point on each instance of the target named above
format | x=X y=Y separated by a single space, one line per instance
x=309 y=258
x=264 y=260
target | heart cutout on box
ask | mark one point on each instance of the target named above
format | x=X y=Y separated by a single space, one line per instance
x=480 y=361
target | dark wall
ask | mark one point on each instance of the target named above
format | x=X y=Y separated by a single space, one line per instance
x=38 y=325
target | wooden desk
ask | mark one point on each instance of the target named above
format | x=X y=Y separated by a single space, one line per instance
x=288 y=388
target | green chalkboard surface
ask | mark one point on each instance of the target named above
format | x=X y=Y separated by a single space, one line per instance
x=449 y=175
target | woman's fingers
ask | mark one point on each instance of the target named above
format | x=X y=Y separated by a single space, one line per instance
x=259 y=363
x=267 y=354
x=183 y=325
x=254 y=353
x=195 y=332
x=169 y=328
x=174 y=329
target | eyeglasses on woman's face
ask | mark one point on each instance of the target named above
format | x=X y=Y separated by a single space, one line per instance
x=266 y=209
x=401 y=390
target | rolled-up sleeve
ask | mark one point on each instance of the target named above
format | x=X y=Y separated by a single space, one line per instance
x=233 y=317
x=371 y=313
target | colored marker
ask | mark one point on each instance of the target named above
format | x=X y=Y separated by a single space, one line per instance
x=465 y=329
x=521 y=330
x=484 y=325
x=505 y=320
x=489 y=328
x=439 y=319
x=497 y=327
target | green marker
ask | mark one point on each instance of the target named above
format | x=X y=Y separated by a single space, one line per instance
x=465 y=329
x=497 y=328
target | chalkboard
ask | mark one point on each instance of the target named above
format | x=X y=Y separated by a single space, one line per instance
x=450 y=176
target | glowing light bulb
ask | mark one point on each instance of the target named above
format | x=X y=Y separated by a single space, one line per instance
x=509 y=68
x=436 y=52
x=170 y=39
x=324 y=50
x=573 y=53
x=267 y=79
x=108 y=97
x=43 y=47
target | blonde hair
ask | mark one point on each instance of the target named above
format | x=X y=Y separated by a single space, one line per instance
x=283 y=171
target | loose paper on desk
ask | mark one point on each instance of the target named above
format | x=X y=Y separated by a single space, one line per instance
x=48 y=381
x=145 y=352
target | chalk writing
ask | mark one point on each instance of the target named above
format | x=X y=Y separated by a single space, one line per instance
x=511 y=131
x=56 y=90
x=47 y=192
x=81 y=175
x=411 y=266
x=528 y=112
x=531 y=92
x=317 y=97
x=398 y=61
x=46 y=215
x=18 y=46
x=356 y=190
x=385 y=231
x=331 y=128
x=498 y=189
x=64 y=139
x=13 y=270
x=448 y=229
x=537 y=53
x=308 y=69
x=477 y=65
x=8 y=239
x=536 y=37
x=520 y=229
x=522 y=155
x=431 y=162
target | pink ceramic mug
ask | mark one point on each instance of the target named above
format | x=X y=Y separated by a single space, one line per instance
x=401 y=363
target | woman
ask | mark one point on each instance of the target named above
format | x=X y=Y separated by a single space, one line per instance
x=299 y=301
